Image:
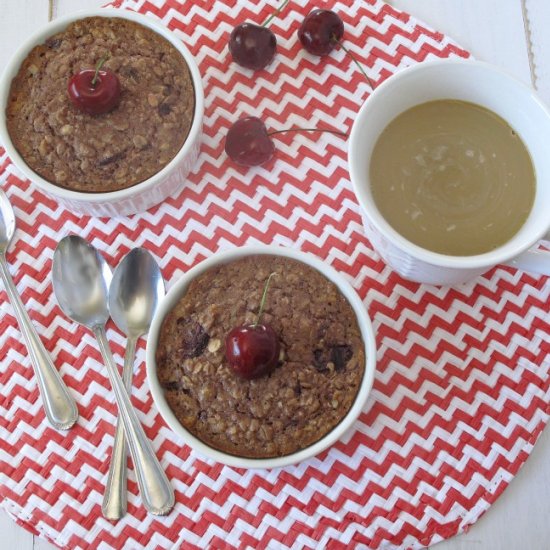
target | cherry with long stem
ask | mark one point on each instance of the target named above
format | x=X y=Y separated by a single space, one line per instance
x=321 y=31
x=249 y=143
x=253 y=350
x=253 y=46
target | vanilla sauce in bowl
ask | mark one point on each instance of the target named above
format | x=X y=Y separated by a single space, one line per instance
x=452 y=177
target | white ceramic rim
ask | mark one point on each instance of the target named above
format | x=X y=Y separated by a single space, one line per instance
x=497 y=256
x=365 y=326
x=58 y=25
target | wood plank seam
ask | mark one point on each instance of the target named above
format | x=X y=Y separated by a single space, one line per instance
x=529 y=42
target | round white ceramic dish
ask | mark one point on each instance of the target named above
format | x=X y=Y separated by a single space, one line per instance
x=143 y=195
x=478 y=83
x=179 y=289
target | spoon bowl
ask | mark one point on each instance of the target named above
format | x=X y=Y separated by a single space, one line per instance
x=136 y=289
x=81 y=279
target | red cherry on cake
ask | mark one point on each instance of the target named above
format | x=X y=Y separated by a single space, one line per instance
x=93 y=91
x=248 y=142
x=252 y=46
x=320 y=31
x=252 y=350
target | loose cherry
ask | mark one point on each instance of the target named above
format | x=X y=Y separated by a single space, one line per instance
x=254 y=46
x=249 y=143
x=94 y=91
x=253 y=350
x=320 y=31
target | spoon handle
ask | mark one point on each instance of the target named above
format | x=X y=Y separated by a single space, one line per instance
x=58 y=403
x=156 y=492
x=115 y=499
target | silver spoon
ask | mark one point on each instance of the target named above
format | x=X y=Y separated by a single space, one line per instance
x=59 y=405
x=136 y=289
x=81 y=280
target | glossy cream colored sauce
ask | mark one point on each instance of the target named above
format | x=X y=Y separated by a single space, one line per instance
x=452 y=177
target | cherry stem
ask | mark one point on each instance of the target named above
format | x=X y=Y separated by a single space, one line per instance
x=354 y=59
x=262 y=302
x=336 y=132
x=98 y=67
x=274 y=14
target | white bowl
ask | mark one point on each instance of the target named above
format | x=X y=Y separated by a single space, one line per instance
x=331 y=437
x=465 y=80
x=143 y=195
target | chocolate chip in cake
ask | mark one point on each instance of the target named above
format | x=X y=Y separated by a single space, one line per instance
x=164 y=109
x=175 y=385
x=113 y=158
x=338 y=355
x=172 y=385
x=194 y=337
x=53 y=43
x=320 y=360
x=130 y=72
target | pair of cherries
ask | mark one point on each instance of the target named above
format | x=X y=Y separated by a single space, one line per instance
x=253 y=46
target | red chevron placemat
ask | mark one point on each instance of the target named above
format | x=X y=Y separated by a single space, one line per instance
x=462 y=383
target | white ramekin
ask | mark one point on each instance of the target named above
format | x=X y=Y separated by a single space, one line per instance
x=143 y=195
x=178 y=290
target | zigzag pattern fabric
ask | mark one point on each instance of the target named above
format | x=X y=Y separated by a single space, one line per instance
x=463 y=374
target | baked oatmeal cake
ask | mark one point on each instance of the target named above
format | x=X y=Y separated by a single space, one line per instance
x=320 y=368
x=114 y=150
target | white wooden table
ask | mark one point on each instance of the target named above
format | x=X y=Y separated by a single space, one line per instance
x=512 y=34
